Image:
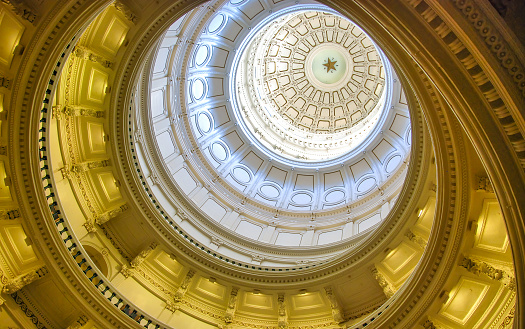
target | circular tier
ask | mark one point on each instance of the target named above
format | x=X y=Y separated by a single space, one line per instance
x=309 y=86
x=225 y=184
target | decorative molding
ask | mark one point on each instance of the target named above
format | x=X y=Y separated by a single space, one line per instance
x=337 y=310
x=22 y=9
x=127 y=270
x=483 y=184
x=90 y=226
x=428 y=324
x=257 y=258
x=5 y=82
x=15 y=284
x=388 y=289
x=155 y=282
x=503 y=52
x=479 y=267
x=508 y=321
x=214 y=240
x=232 y=305
x=85 y=166
x=193 y=306
x=178 y=296
x=78 y=323
x=88 y=54
x=103 y=218
x=494 y=40
x=128 y=13
x=282 y=319
x=420 y=241
x=9 y=214
x=82 y=111
x=29 y=313
x=4 y=279
x=506 y=311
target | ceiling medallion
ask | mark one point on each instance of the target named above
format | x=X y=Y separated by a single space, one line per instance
x=330 y=65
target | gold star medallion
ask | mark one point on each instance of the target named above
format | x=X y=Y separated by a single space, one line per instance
x=330 y=65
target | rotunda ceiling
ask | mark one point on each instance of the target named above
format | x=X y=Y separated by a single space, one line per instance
x=226 y=141
x=178 y=218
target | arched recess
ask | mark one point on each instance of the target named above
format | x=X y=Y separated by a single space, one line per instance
x=98 y=259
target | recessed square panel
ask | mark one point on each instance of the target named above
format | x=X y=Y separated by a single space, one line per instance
x=16 y=237
x=213 y=209
x=98 y=81
x=9 y=38
x=360 y=168
x=307 y=301
x=333 y=179
x=304 y=182
x=399 y=125
x=288 y=239
x=491 y=232
x=383 y=149
x=211 y=289
x=185 y=181
x=114 y=35
x=258 y=301
x=249 y=230
x=168 y=264
x=107 y=183
x=95 y=132
x=399 y=257
x=464 y=300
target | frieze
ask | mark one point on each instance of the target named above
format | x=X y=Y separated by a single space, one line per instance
x=29 y=313
x=22 y=9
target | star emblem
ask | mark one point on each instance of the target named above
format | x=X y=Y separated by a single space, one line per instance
x=330 y=65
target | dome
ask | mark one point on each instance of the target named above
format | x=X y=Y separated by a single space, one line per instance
x=305 y=90
x=230 y=143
